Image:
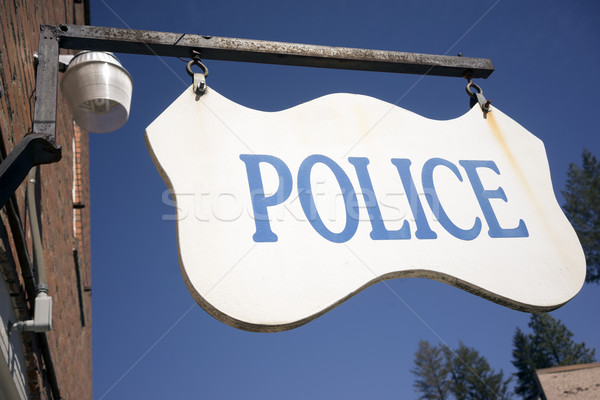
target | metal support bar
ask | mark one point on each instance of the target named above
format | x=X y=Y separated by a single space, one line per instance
x=46 y=84
x=32 y=150
x=38 y=147
x=258 y=51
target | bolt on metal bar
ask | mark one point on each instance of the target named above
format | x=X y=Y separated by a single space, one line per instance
x=267 y=52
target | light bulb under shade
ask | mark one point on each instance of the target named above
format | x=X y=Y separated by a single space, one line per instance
x=98 y=91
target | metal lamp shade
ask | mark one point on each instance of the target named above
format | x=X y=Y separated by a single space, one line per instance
x=98 y=91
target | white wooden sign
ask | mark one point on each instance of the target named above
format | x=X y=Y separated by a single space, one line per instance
x=281 y=216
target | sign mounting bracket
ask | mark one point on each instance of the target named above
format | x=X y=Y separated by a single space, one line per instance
x=85 y=37
x=268 y=52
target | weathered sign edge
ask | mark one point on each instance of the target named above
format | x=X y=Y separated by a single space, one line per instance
x=418 y=273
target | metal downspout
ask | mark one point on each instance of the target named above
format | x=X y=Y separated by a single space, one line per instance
x=38 y=249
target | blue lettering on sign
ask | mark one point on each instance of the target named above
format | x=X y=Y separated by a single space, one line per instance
x=261 y=203
x=423 y=230
x=484 y=196
x=257 y=192
x=308 y=202
x=434 y=201
x=379 y=231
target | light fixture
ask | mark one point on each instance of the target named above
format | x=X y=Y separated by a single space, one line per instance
x=98 y=91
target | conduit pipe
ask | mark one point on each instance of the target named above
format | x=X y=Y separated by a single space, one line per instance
x=42 y=316
x=27 y=272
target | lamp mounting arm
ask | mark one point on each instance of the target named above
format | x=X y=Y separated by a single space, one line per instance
x=39 y=146
x=46 y=84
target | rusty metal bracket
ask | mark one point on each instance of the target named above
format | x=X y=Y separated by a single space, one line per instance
x=477 y=97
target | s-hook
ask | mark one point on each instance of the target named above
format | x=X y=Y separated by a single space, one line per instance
x=477 y=97
x=199 y=79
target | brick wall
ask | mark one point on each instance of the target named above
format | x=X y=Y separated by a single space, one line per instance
x=64 y=228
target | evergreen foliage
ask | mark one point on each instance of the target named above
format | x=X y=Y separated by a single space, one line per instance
x=431 y=370
x=463 y=374
x=472 y=378
x=582 y=207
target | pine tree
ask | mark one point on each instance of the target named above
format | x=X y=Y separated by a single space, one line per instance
x=522 y=360
x=549 y=345
x=582 y=207
x=472 y=378
x=432 y=372
x=461 y=375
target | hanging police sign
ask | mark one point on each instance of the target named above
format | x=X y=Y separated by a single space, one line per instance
x=281 y=216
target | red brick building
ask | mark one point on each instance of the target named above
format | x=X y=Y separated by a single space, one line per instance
x=58 y=363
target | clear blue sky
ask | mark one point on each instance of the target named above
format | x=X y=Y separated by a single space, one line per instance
x=150 y=340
